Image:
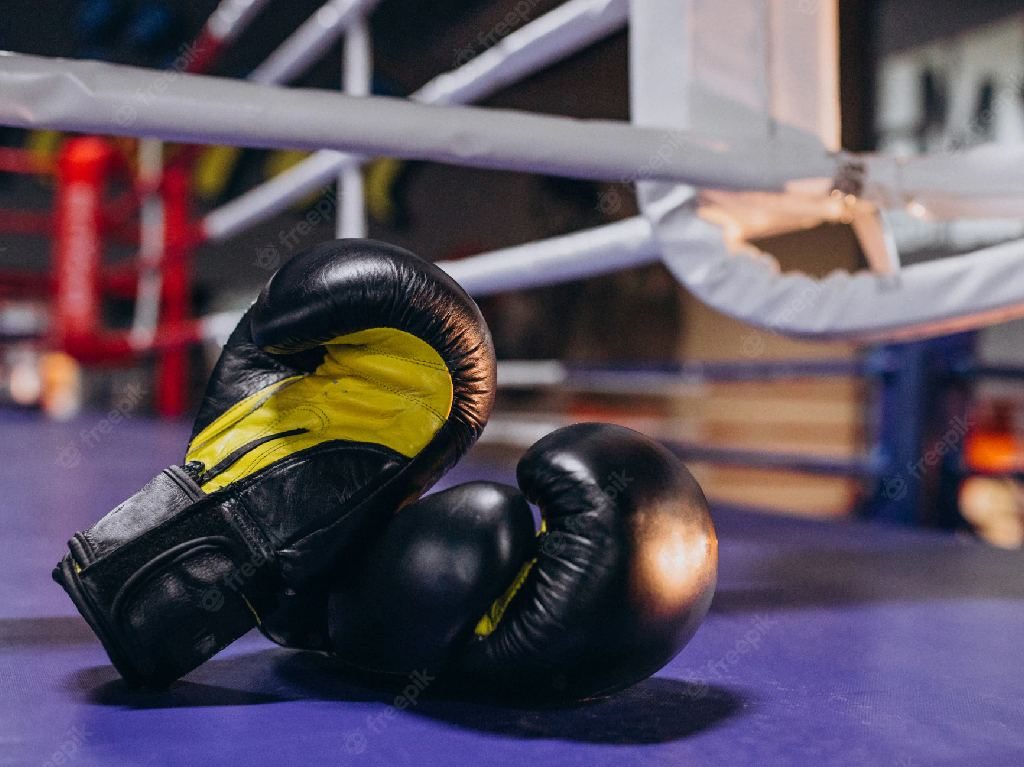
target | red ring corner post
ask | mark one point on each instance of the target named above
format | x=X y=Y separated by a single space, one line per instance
x=172 y=364
x=83 y=168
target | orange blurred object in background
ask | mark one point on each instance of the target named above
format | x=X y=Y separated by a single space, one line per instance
x=995 y=444
x=994 y=506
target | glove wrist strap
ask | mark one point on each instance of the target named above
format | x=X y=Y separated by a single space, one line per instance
x=164 y=598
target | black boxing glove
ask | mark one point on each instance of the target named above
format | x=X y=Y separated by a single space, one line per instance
x=420 y=588
x=616 y=582
x=359 y=376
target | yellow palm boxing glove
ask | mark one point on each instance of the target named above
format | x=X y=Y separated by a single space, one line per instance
x=358 y=377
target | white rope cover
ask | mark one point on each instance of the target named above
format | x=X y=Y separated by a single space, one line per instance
x=62 y=94
x=932 y=298
x=612 y=248
x=231 y=17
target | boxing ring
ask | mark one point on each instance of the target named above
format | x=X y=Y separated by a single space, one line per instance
x=831 y=643
x=827 y=644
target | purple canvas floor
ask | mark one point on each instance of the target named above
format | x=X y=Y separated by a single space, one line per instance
x=827 y=644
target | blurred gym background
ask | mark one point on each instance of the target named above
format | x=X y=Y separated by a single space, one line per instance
x=926 y=433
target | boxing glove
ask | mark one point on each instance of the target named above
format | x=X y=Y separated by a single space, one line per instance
x=359 y=375
x=618 y=579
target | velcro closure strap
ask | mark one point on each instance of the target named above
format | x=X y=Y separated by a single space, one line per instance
x=174 y=595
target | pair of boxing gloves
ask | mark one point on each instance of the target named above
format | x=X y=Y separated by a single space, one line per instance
x=358 y=377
